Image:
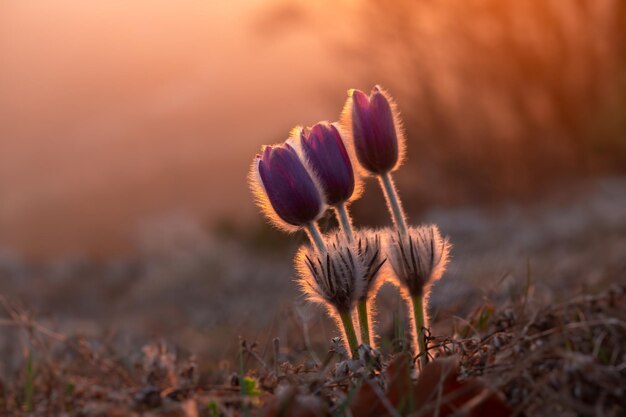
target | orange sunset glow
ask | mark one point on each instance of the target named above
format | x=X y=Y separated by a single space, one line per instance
x=116 y=112
x=446 y=181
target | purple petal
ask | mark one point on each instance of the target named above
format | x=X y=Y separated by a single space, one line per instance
x=329 y=159
x=374 y=132
x=290 y=189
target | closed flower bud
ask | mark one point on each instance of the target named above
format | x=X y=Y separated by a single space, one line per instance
x=371 y=255
x=325 y=151
x=284 y=189
x=375 y=129
x=332 y=278
x=418 y=259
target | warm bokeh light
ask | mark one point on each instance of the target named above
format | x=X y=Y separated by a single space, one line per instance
x=113 y=112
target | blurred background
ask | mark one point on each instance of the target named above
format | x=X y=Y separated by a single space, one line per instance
x=127 y=130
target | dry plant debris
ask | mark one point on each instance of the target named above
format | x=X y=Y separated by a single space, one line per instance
x=556 y=360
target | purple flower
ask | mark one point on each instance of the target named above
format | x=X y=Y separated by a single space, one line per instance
x=326 y=153
x=378 y=141
x=280 y=180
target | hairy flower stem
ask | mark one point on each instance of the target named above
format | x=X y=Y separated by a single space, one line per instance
x=344 y=220
x=364 y=322
x=346 y=226
x=420 y=337
x=316 y=237
x=348 y=326
x=393 y=202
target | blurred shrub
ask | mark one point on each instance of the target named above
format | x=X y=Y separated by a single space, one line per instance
x=501 y=98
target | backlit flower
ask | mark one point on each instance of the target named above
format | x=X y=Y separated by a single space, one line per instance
x=284 y=189
x=326 y=153
x=375 y=129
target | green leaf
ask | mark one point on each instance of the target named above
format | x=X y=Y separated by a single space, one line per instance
x=213 y=409
x=249 y=386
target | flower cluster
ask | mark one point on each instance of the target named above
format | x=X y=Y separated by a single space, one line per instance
x=319 y=168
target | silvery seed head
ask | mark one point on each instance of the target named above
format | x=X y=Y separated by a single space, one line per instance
x=372 y=257
x=284 y=189
x=418 y=259
x=331 y=278
x=374 y=130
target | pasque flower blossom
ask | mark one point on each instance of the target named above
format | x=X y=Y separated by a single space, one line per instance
x=418 y=255
x=375 y=129
x=285 y=191
x=295 y=181
x=323 y=147
x=326 y=155
x=377 y=139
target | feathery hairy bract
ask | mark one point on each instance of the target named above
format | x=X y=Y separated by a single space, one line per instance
x=371 y=254
x=418 y=259
x=332 y=278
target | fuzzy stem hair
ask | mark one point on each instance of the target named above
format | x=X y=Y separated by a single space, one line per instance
x=316 y=237
x=362 y=308
x=348 y=327
x=419 y=314
x=363 y=311
x=344 y=221
x=393 y=203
